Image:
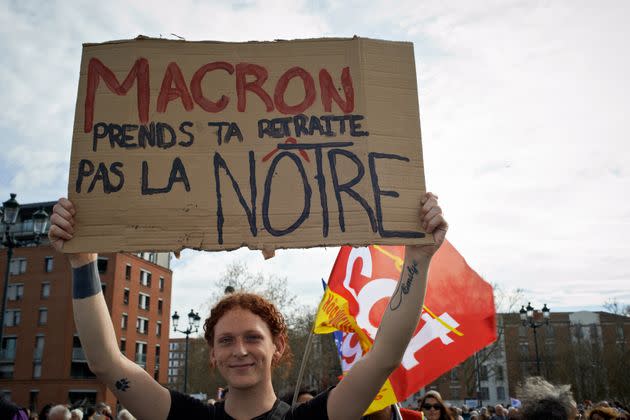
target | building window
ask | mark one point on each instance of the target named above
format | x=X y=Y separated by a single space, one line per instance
x=483 y=372
x=500 y=393
x=145 y=278
x=142 y=325
x=498 y=371
x=12 y=317
x=123 y=345
x=32 y=401
x=484 y=394
x=126 y=296
x=45 y=292
x=523 y=349
x=620 y=333
x=6 y=371
x=37 y=370
x=15 y=292
x=38 y=353
x=123 y=322
x=48 y=264
x=102 y=265
x=161 y=283
x=522 y=331
x=160 y=303
x=594 y=332
x=17 y=266
x=43 y=316
x=141 y=353
x=128 y=272
x=7 y=351
x=144 y=301
x=158 y=328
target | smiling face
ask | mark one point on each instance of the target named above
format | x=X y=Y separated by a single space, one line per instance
x=244 y=349
x=431 y=408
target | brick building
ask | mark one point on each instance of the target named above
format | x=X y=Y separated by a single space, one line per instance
x=41 y=358
x=588 y=350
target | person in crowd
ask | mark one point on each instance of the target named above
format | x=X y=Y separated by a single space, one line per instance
x=59 y=412
x=602 y=412
x=124 y=414
x=484 y=414
x=76 y=414
x=43 y=414
x=246 y=336
x=11 y=411
x=474 y=415
x=500 y=413
x=513 y=413
x=543 y=401
x=91 y=413
x=304 y=394
x=104 y=411
x=433 y=407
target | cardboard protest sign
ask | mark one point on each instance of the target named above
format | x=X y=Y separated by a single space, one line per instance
x=213 y=145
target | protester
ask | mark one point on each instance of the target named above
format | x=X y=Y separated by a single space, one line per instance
x=500 y=413
x=603 y=412
x=246 y=336
x=10 y=411
x=125 y=415
x=544 y=401
x=76 y=414
x=59 y=412
x=433 y=407
x=43 y=414
x=104 y=411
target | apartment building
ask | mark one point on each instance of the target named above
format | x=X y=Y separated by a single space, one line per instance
x=41 y=357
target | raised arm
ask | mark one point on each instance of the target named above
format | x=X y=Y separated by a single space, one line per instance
x=358 y=388
x=135 y=388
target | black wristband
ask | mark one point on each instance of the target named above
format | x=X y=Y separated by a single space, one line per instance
x=85 y=281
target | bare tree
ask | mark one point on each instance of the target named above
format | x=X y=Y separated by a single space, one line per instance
x=323 y=366
x=614 y=307
x=487 y=362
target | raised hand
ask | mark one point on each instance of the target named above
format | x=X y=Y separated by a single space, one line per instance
x=432 y=221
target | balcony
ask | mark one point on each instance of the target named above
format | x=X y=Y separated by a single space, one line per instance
x=78 y=355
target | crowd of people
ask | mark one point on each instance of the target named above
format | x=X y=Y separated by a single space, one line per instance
x=100 y=411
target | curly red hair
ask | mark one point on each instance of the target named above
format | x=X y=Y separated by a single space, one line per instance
x=257 y=305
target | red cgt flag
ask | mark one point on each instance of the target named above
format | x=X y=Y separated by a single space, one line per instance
x=458 y=316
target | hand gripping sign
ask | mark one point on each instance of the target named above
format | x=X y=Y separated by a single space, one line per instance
x=458 y=317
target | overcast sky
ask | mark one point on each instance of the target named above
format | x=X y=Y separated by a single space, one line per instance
x=523 y=106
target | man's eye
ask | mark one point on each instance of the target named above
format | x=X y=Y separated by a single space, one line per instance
x=254 y=338
x=225 y=340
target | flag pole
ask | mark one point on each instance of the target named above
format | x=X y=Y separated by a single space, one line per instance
x=307 y=352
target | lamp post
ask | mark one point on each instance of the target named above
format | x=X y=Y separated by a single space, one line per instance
x=193 y=327
x=528 y=320
x=9 y=214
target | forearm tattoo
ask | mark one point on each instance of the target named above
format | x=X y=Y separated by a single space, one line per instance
x=122 y=384
x=403 y=287
x=85 y=281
